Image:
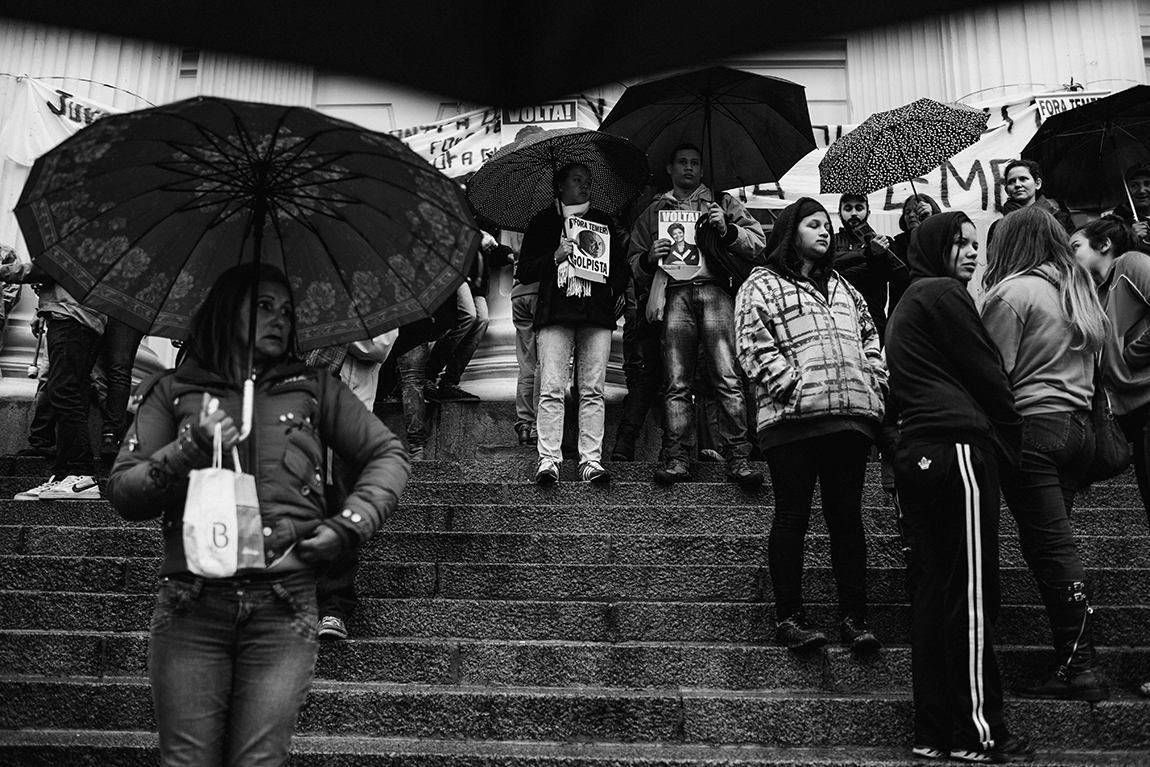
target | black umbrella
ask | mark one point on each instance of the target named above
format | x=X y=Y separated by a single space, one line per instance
x=1085 y=151
x=751 y=128
x=518 y=181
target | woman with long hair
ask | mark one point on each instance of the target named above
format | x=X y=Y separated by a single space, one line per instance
x=231 y=658
x=806 y=340
x=574 y=315
x=1043 y=315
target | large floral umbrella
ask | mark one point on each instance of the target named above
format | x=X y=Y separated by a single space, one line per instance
x=899 y=145
x=139 y=213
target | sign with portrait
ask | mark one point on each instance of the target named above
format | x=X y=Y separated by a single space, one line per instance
x=678 y=226
x=591 y=255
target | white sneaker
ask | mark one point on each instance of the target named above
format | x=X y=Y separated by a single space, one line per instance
x=74 y=487
x=34 y=493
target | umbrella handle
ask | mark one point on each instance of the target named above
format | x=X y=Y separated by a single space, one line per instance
x=249 y=402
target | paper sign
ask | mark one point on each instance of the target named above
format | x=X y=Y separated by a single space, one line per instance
x=678 y=226
x=592 y=253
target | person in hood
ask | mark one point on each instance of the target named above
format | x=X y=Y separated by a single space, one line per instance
x=698 y=317
x=573 y=314
x=958 y=424
x=864 y=258
x=1043 y=315
x=1137 y=179
x=807 y=342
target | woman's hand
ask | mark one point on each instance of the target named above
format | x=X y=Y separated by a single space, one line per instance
x=322 y=545
x=564 y=251
x=210 y=415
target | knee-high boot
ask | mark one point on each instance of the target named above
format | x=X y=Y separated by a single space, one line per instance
x=1077 y=676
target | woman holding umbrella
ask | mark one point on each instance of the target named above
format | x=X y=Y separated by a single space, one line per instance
x=574 y=314
x=231 y=659
x=1042 y=314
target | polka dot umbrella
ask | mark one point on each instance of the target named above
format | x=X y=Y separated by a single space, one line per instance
x=899 y=145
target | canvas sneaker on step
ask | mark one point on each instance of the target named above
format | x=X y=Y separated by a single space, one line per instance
x=74 y=487
x=34 y=493
x=332 y=627
x=548 y=472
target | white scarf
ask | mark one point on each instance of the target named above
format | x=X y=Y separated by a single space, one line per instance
x=577 y=287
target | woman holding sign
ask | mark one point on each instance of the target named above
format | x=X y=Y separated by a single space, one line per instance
x=231 y=658
x=572 y=251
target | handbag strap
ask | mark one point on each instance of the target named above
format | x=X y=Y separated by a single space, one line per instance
x=218 y=447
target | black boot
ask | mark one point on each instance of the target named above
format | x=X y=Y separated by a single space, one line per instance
x=625 y=439
x=1077 y=676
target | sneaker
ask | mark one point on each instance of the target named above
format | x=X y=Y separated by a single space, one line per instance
x=710 y=456
x=593 y=471
x=527 y=434
x=37 y=452
x=1144 y=690
x=741 y=473
x=331 y=627
x=795 y=634
x=854 y=634
x=927 y=752
x=34 y=493
x=452 y=393
x=1013 y=748
x=547 y=473
x=1088 y=685
x=74 y=487
x=674 y=471
x=109 y=448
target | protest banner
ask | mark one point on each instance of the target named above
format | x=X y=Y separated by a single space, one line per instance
x=678 y=226
x=591 y=255
x=42 y=117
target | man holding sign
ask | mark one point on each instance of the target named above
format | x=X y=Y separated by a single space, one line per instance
x=697 y=310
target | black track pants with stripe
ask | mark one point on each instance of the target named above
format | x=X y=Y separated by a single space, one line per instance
x=949 y=495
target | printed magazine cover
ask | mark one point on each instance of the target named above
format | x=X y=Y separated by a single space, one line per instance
x=678 y=226
x=592 y=255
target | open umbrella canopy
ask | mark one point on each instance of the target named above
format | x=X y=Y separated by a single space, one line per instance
x=899 y=145
x=1085 y=151
x=139 y=213
x=750 y=128
x=518 y=181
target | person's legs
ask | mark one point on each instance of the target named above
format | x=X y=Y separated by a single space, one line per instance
x=412 y=375
x=842 y=471
x=646 y=392
x=190 y=669
x=118 y=355
x=717 y=338
x=467 y=345
x=594 y=349
x=527 y=382
x=793 y=468
x=554 y=344
x=444 y=349
x=72 y=349
x=680 y=352
x=1136 y=426
x=276 y=650
x=42 y=432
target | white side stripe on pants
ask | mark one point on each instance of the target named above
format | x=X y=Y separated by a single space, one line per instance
x=976 y=633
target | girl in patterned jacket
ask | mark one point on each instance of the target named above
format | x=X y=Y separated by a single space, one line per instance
x=806 y=340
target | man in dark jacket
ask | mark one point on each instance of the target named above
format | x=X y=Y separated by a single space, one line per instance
x=958 y=424
x=1138 y=188
x=864 y=259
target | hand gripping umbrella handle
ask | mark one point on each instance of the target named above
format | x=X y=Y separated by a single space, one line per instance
x=249 y=402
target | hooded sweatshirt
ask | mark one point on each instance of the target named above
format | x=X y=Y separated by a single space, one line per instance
x=946 y=376
x=807 y=343
x=1125 y=295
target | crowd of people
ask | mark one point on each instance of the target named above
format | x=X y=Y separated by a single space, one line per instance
x=813 y=350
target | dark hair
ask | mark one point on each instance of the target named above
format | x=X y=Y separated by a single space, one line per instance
x=211 y=338
x=854 y=196
x=1034 y=168
x=676 y=225
x=562 y=173
x=681 y=147
x=1109 y=228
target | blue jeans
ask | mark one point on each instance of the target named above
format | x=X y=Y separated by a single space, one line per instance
x=592 y=347
x=72 y=349
x=117 y=357
x=412 y=376
x=453 y=352
x=230 y=663
x=1056 y=451
x=527 y=383
x=702 y=317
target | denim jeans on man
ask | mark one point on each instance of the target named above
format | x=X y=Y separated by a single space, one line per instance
x=702 y=316
x=453 y=352
x=592 y=347
x=230 y=663
x=526 y=357
x=72 y=349
x=1056 y=452
x=117 y=357
x=412 y=376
